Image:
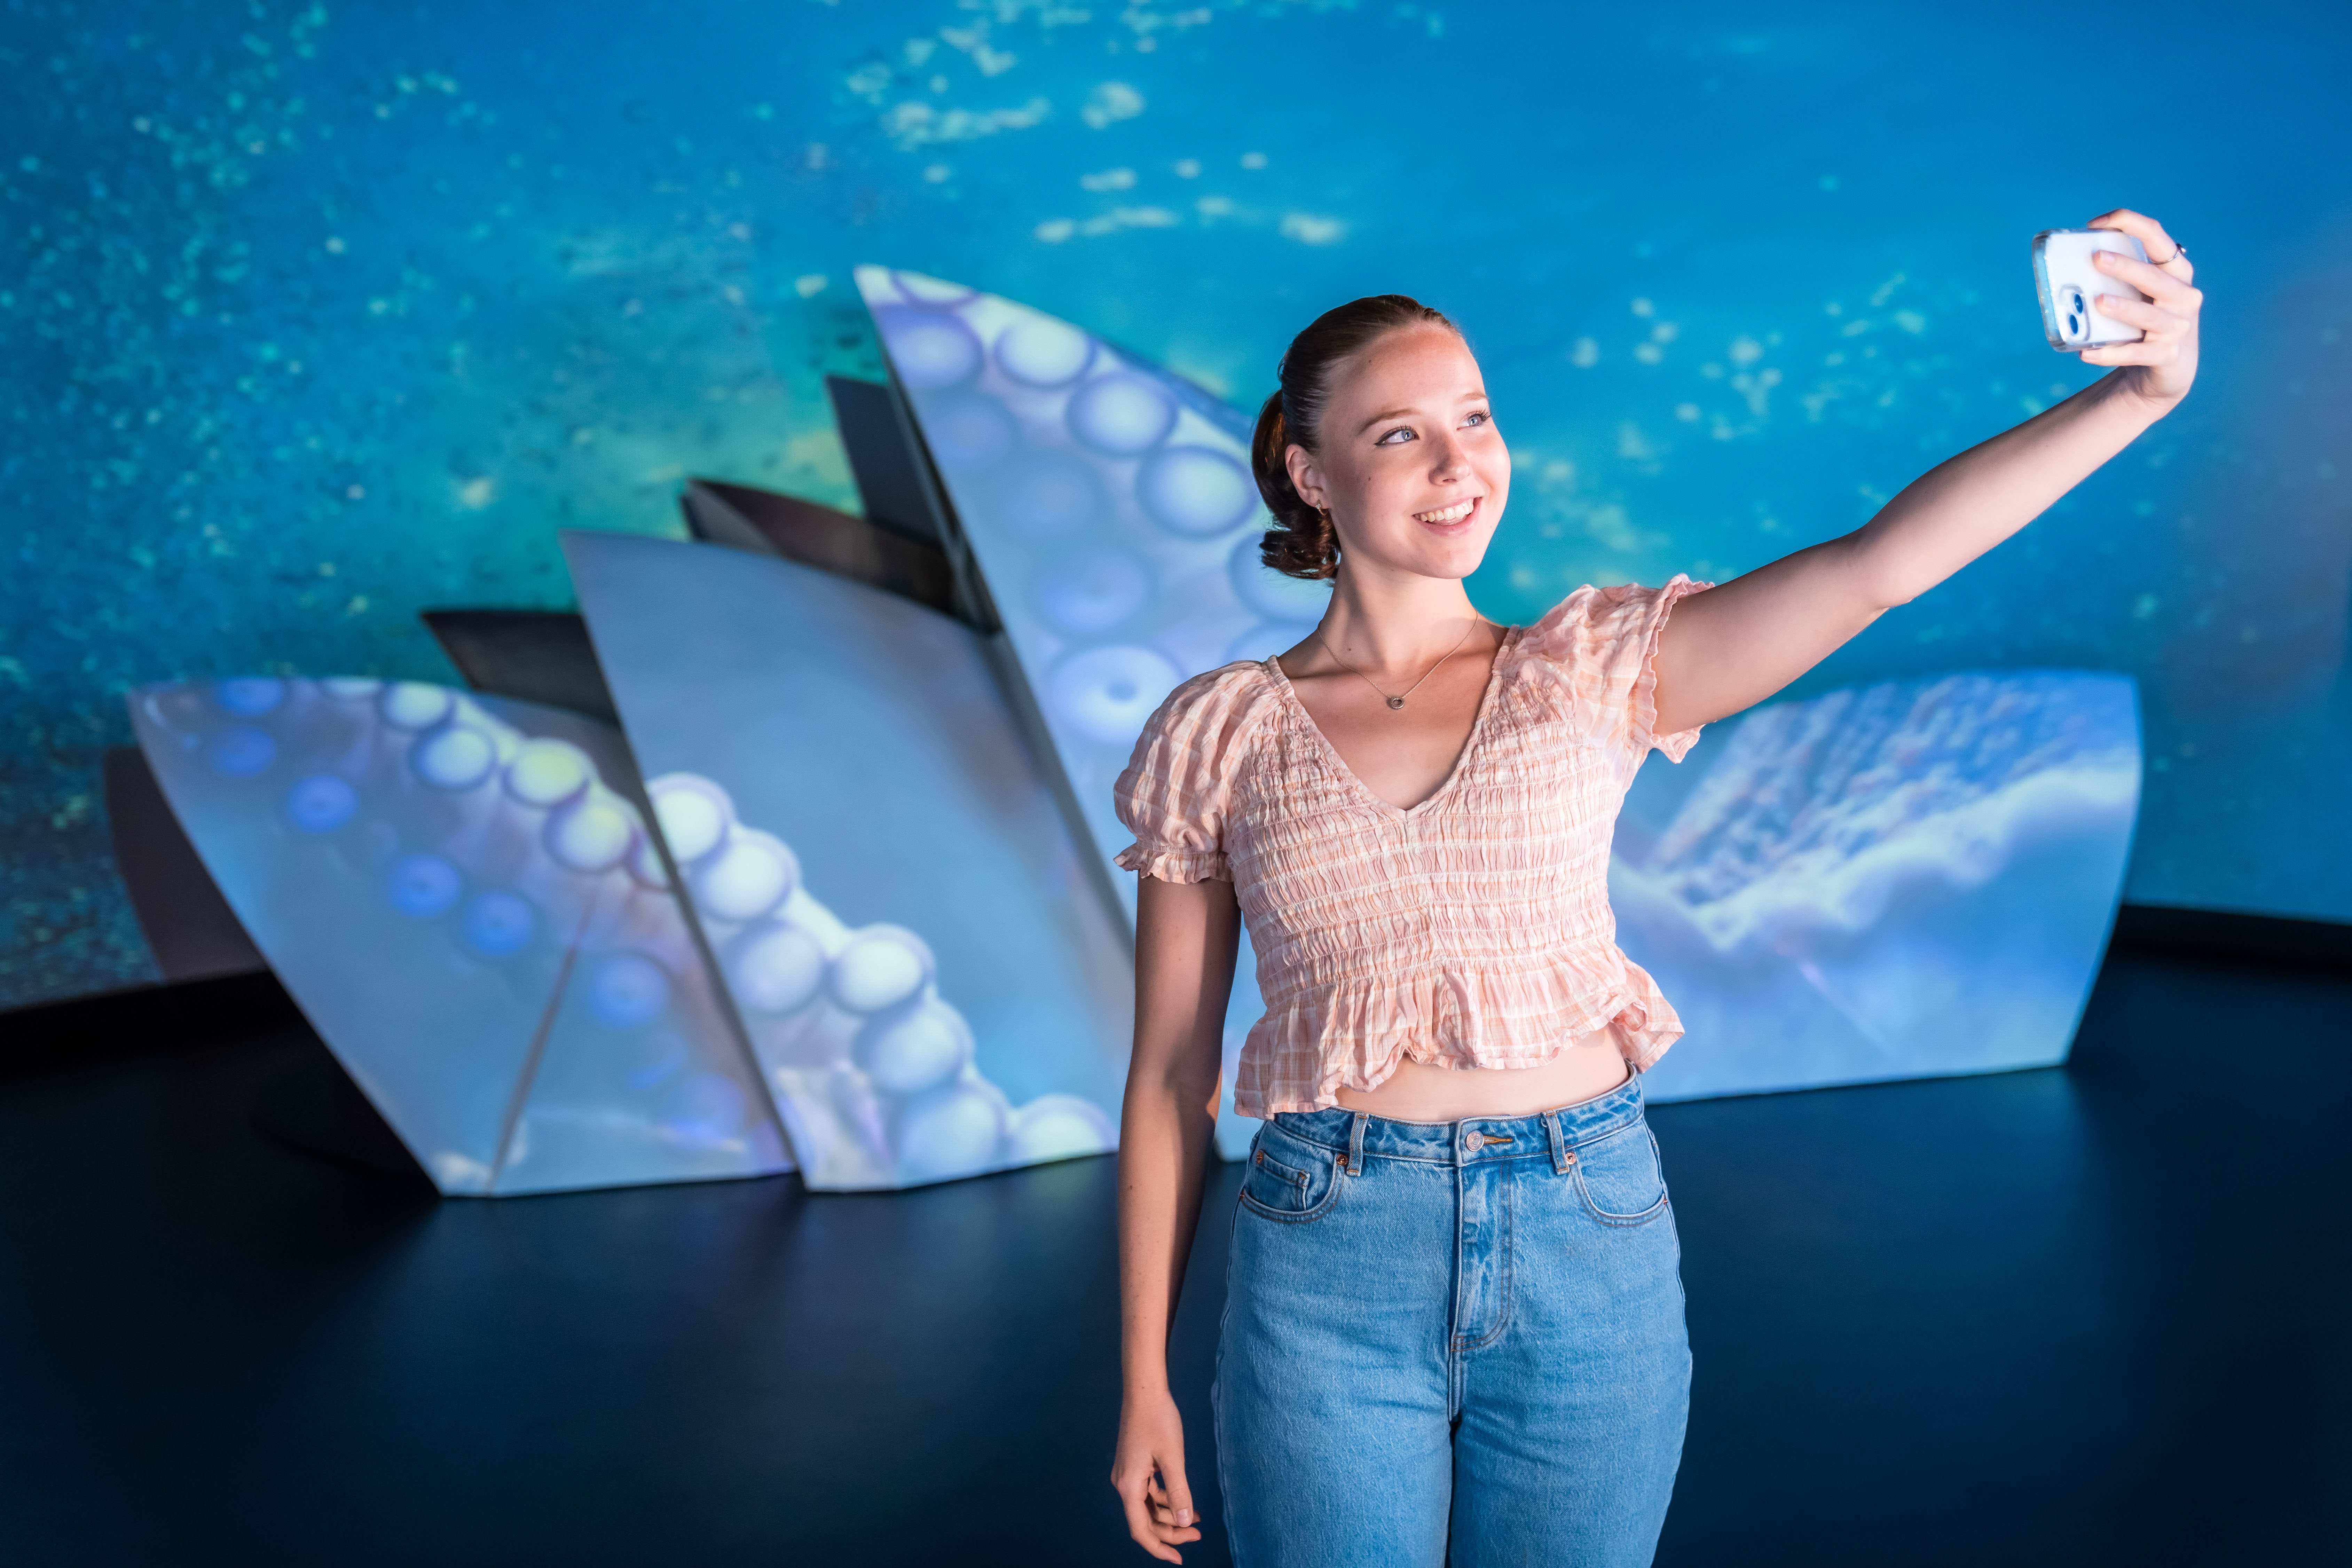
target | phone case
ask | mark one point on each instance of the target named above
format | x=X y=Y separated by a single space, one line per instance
x=2069 y=284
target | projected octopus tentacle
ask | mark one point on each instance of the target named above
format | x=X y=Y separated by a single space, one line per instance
x=534 y=1013
x=873 y=1067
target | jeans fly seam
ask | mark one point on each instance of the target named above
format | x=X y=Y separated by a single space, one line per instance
x=1503 y=1289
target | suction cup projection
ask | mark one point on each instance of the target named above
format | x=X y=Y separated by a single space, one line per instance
x=460 y=894
x=1900 y=880
x=1111 y=506
x=932 y=984
x=1107 y=502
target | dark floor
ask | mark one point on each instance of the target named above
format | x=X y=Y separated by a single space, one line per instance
x=2101 y=1314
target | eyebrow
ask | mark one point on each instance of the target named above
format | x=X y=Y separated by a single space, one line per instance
x=1476 y=396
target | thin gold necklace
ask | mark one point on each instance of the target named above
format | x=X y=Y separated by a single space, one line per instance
x=1398 y=700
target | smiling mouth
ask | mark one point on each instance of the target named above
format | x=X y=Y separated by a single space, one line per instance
x=1454 y=513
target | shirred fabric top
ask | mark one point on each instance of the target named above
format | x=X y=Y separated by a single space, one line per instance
x=1473 y=930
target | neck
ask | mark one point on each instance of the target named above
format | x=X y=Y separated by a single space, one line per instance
x=1396 y=624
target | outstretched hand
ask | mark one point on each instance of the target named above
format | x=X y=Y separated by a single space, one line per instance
x=2165 y=361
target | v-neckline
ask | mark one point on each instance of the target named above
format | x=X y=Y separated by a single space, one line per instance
x=1460 y=759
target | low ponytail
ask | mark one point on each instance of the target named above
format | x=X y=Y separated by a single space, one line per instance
x=1303 y=542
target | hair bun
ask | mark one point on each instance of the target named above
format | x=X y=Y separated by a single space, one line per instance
x=1302 y=542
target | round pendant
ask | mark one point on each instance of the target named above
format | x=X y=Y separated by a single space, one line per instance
x=1396 y=702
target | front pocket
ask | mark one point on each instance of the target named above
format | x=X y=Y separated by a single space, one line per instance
x=1289 y=1179
x=1619 y=1178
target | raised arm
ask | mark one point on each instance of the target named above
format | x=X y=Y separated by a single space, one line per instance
x=1186 y=938
x=1728 y=648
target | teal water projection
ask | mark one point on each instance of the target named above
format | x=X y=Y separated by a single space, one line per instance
x=314 y=317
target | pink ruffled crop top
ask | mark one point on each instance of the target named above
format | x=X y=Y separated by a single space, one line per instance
x=1471 y=931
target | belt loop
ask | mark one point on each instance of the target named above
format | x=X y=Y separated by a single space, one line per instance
x=1355 y=1161
x=1559 y=1143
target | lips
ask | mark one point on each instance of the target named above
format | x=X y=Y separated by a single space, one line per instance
x=1460 y=511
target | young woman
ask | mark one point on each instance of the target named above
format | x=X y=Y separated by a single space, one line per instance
x=1454 y=1317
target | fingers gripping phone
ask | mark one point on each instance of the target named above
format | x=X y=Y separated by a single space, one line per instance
x=2070 y=284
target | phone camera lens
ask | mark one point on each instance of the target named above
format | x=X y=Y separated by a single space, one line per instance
x=2073 y=314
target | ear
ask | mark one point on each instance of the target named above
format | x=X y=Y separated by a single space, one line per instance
x=1304 y=477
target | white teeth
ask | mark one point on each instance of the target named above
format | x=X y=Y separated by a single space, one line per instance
x=1453 y=513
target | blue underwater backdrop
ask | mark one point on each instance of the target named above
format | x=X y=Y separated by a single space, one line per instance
x=311 y=318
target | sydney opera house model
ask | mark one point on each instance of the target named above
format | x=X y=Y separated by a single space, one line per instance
x=793 y=850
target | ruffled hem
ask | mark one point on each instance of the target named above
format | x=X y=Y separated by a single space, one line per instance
x=1355 y=1036
x=1181 y=866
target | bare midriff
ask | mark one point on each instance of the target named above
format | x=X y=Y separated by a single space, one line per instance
x=1592 y=1066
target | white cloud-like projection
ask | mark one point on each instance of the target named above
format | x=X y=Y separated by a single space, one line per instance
x=915 y=123
x=1111 y=102
x=1311 y=229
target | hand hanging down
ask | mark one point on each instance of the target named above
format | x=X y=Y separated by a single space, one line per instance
x=1735 y=645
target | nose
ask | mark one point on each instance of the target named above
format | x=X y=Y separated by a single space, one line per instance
x=1447 y=461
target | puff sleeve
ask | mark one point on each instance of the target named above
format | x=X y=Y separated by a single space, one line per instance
x=1601 y=644
x=1175 y=791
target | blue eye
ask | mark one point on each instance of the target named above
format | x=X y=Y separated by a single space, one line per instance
x=1479 y=416
x=1390 y=439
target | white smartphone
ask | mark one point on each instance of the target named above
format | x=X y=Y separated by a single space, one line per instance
x=2070 y=284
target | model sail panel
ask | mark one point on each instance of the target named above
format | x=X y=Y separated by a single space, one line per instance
x=431 y=874
x=1905 y=880
x=931 y=982
x=641 y=1076
x=1111 y=506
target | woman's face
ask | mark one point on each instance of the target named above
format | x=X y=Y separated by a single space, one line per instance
x=1409 y=464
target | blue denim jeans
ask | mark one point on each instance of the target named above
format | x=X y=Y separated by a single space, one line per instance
x=1463 y=1336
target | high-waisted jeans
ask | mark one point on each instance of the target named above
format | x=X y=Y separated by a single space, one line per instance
x=1452 y=1335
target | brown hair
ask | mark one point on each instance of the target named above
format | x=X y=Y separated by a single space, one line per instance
x=1302 y=542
